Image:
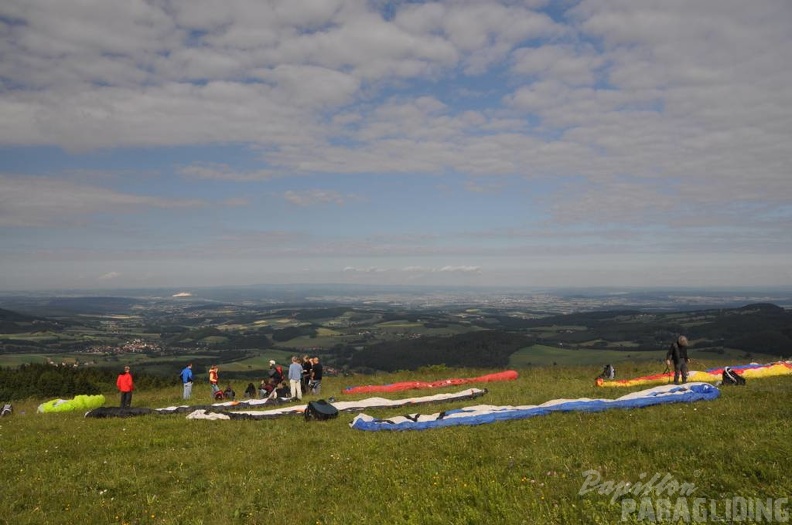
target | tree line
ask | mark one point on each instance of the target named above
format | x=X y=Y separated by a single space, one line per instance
x=50 y=381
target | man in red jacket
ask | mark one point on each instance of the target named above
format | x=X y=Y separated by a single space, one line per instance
x=125 y=386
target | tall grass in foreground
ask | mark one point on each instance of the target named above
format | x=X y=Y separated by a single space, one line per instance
x=165 y=469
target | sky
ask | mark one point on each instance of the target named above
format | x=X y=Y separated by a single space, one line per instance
x=187 y=143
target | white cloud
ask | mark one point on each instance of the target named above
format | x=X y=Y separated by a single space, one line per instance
x=353 y=269
x=41 y=201
x=415 y=270
x=311 y=86
x=559 y=63
x=461 y=269
x=318 y=196
x=224 y=172
x=617 y=119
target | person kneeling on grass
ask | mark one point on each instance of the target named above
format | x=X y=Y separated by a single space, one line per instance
x=229 y=393
x=250 y=391
x=266 y=389
x=283 y=390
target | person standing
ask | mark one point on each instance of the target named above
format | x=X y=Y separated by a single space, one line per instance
x=187 y=380
x=214 y=378
x=125 y=385
x=316 y=376
x=678 y=354
x=306 y=372
x=295 y=378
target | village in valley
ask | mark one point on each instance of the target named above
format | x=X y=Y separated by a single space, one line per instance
x=357 y=332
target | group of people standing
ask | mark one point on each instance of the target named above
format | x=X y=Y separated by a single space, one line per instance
x=309 y=373
x=305 y=375
x=188 y=378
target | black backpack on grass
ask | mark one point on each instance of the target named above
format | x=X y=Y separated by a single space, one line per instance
x=320 y=411
x=730 y=377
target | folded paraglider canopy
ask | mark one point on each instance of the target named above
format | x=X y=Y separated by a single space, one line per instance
x=81 y=402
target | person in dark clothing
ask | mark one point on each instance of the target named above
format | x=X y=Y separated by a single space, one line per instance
x=275 y=371
x=678 y=355
x=229 y=393
x=316 y=376
x=250 y=391
x=307 y=364
x=283 y=390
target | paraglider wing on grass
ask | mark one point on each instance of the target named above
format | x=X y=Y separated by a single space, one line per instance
x=751 y=371
x=481 y=414
x=80 y=402
x=508 y=375
x=342 y=406
x=104 y=412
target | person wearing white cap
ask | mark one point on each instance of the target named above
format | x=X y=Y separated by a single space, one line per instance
x=275 y=371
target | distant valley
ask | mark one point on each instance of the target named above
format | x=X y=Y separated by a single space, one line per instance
x=366 y=330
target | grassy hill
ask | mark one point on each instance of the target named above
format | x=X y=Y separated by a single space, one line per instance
x=166 y=469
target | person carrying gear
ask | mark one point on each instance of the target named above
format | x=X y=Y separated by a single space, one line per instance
x=678 y=354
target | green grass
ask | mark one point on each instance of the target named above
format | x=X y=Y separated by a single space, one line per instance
x=35 y=337
x=261 y=362
x=544 y=355
x=541 y=355
x=15 y=360
x=166 y=469
x=304 y=343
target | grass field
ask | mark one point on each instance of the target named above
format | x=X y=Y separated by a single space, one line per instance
x=14 y=360
x=166 y=469
x=542 y=355
x=260 y=362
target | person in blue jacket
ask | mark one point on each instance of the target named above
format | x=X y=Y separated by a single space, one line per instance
x=187 y=380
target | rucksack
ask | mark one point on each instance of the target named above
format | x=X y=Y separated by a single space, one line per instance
x=320 y=411
x=730 y=377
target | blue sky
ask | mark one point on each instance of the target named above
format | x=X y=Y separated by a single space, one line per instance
x=185 y=143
